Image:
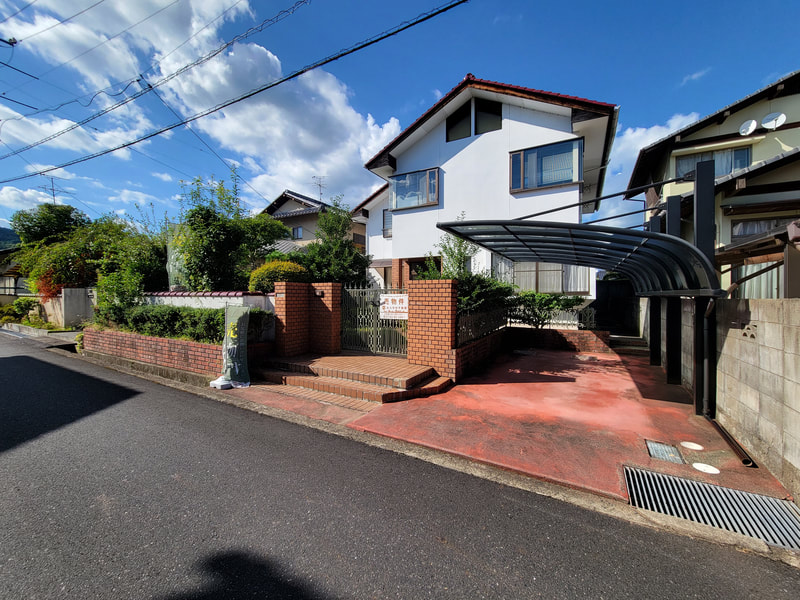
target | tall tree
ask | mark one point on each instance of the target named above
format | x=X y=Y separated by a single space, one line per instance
x=47 y=223
x=333 y=256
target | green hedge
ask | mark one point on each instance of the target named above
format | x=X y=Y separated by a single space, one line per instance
x=206 y=325
x=263 y=278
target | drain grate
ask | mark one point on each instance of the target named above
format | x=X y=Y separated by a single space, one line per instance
x=776 y=522
x=664 y=452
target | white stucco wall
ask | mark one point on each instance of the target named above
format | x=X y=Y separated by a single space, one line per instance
x=474 y=179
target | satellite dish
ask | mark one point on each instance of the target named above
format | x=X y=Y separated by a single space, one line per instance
x=748 y=127
x=773 y=120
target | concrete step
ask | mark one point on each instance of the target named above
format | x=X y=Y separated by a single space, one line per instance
x=349 y=388
x=626 y=341
x=632 y=351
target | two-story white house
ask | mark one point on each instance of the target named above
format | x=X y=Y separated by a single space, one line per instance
x=487 y=150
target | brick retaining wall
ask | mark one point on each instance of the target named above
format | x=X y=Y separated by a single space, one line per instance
x=184 y=355
x=560 y=339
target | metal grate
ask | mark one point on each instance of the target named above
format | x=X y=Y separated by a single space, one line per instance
x=664 y=452
x=776 y=522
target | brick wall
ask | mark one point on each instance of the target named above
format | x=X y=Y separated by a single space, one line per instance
x=401 y=272
x=308 y=318
x=432 y=325
x=325 y=318
x=474 y=355
x=560 y=339
x=184 y=355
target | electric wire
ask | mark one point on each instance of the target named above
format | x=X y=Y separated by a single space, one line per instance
x=127 y=82
x=68 y=19
x=206 y=144
x=334 y=57
x=203 y=59
x=19 y=10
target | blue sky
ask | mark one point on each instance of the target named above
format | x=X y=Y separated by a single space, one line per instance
x=664 y=64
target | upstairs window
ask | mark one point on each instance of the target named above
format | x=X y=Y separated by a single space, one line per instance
x=458 y=123
x=387 y=223
x=725 y=161
x=488 y=115
x=418 y=188
x=554 y=164
x=297 y=233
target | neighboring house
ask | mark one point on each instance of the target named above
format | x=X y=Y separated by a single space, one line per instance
x=755 y=144
x=300 y=214
x=490 y=151
x=12 y=284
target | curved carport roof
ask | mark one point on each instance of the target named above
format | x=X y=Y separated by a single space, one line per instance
x=657 y=264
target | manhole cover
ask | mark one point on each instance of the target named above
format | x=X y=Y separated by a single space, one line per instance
x=664 y=452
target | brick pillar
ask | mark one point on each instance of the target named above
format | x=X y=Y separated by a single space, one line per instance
x=291 y=318
x=397 y=273
x=432 y=325
x=325 y=318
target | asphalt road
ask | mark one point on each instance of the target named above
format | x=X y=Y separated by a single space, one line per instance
x=116 y=487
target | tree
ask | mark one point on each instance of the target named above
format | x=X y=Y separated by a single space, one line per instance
x=218 y=241
x=333 y=256
x=47 y=223
x=455 y=255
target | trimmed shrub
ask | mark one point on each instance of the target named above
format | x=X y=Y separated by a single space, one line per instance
x=206 y=325
x=263 y=278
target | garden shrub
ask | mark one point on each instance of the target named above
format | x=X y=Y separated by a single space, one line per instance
x=538 y=309
x=22 y=306
x=205 y=325
x=263 y=278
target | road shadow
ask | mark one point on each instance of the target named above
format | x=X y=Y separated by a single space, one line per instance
x=236 y=575
x=38 y=397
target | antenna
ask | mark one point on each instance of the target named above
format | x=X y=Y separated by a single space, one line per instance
x=319 y=181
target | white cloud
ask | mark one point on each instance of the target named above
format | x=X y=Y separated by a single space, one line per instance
x=695 y=76
x=282 y=137
x=162 y=176
x=624 y=153
x=17 y=199
x=127 y=196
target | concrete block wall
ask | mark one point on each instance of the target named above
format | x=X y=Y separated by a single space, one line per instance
x=758 y=381
x=205 y=359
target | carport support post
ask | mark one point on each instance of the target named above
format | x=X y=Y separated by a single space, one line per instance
x=705 y=317
x=655 y=309
x=673 y=326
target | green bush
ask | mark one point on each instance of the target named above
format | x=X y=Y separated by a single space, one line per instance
x=537 y=309
x=22 y=306
x=263 y=278
x=206 y=325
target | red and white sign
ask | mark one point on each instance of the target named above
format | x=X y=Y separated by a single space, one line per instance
x=394 y=306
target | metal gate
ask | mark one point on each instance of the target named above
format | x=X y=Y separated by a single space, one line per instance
x=362 y=327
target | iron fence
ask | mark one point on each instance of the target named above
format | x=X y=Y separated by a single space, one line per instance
x=471 y=326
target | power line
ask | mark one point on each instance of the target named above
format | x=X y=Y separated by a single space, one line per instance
x=334 y=57
x=266 y=23
x=19 y=10
x=207 y=145
x=127 y=82
x=77 y=14
x=116 y=35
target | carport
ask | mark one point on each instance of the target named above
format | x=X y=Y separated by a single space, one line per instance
x=659 y=265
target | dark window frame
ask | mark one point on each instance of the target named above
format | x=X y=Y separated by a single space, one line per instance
x=517 y=162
